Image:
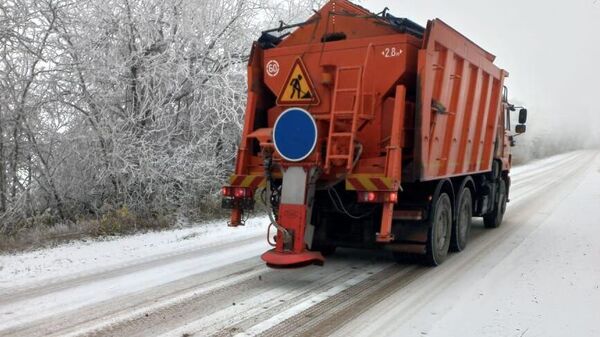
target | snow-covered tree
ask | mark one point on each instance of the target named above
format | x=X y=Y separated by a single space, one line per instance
x=122 y=103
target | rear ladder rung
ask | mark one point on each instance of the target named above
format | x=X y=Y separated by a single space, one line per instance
x=349 y=68
x=342 y=134
x=343 y=115
x=347 y=135
x=347 y=90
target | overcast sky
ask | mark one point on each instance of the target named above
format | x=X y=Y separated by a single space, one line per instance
x=550 y=48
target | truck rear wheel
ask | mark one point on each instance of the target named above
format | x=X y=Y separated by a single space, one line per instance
x=440 y=231
x=462 y=225
x=494 y=219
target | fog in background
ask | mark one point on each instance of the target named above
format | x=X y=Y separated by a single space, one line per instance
x=551 y=50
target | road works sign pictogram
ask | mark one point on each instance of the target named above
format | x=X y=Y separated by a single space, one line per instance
x=298 y=88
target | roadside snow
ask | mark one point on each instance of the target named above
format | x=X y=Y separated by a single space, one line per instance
x=540 y=164
x=92 y=256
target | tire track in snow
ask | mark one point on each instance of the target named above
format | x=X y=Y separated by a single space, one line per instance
x=49 y=286
x=280 y=297
x=325 y=317
x=492 y=246
x=94 y=318
x=203 y=301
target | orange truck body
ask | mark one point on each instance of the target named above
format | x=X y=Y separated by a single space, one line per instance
x=398 y=109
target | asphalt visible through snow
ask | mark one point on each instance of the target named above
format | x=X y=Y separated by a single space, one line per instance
x=536 y=275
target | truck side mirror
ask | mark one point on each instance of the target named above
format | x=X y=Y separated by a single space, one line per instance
x=523 y=116
x=521 y=128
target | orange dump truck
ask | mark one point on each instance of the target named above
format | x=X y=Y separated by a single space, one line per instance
x=367 y=130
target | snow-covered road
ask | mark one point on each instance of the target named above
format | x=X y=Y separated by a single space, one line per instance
x=536 y=275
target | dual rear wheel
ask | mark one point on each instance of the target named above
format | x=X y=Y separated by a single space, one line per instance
x=452 y=233
x=447 y=232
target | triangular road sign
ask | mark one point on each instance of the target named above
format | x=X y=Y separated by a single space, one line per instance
x=298 y=88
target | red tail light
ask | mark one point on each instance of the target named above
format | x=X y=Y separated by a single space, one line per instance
x=367 y=197
x=391 y=197
x=236 y=192
x=242 y=192
x=227 y=191
x=374 y=197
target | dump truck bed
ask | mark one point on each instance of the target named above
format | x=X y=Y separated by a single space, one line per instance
x=459 y=105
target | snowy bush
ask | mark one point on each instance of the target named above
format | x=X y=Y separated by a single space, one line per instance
x=122 y=104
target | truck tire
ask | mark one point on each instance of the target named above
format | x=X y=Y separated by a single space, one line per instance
x=461 y=227
x=494 y=219
x=440 y=231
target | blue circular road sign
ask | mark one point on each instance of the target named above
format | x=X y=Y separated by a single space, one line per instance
x=295 y=134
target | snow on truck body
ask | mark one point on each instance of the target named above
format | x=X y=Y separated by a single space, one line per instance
x=368 y=130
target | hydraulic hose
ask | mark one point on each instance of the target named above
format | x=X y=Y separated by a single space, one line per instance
x=269 y=206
